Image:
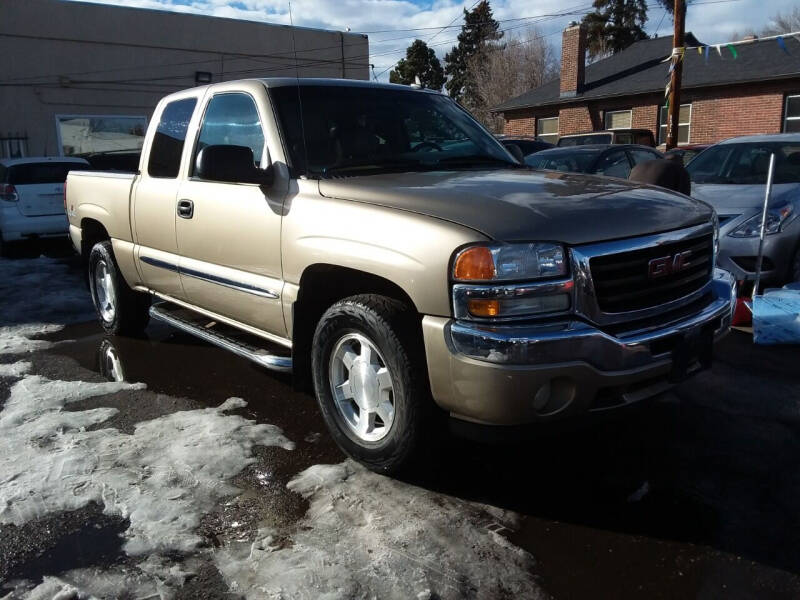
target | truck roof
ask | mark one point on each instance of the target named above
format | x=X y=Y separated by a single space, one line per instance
x=8 y=162
x=276 y=82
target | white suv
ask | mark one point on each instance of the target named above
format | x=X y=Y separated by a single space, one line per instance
x=32 y=199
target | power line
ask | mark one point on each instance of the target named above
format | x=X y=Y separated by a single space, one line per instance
x=576 y=9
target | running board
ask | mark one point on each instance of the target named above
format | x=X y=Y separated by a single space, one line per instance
x=222 y=335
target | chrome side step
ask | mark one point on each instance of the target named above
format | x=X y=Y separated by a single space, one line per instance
x=227 y=337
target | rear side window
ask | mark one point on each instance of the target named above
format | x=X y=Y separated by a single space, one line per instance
x=165 y=152
x=231 y=120
x=37 y=173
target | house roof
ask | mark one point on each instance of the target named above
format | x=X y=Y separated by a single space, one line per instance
x=639 y=69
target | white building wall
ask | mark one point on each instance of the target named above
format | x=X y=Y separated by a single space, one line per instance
x=70 y=58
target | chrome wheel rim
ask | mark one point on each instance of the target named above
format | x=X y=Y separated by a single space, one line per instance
x=362 y=387
x=110 y=363
x=104 y=291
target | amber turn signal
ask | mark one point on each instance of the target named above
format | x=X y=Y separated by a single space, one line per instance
x=474 y=264
x=484 y=308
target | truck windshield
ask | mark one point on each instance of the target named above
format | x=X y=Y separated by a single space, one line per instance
x=353 y=130
x=746 y=163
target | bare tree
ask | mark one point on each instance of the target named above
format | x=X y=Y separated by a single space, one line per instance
x=502 y=72
x=783 y=23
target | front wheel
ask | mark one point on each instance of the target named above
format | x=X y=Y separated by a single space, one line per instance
x=371 y=382
x=121 y=310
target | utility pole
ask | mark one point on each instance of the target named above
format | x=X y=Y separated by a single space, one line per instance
x=679 y=16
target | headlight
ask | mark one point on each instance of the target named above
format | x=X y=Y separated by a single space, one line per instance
x=509 y=262
x=776 y=219
x=480 y=272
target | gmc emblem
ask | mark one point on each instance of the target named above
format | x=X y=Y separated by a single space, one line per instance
x=661 y=267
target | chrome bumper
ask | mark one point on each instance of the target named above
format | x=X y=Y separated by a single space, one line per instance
x=514 y=375
x=578 y=341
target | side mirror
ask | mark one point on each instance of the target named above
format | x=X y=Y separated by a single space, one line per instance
x=232 y=164
x=516 y=152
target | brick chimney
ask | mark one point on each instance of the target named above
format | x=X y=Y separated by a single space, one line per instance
x=573 y=59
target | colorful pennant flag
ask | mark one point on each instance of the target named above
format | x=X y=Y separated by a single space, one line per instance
x=706 y=48
x=732 y=48
x=719 y=50
x=782 y=44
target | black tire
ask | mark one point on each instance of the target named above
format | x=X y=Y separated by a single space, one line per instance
x=130 y=308
x=394 y=330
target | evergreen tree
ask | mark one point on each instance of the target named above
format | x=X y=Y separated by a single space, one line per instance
x=478 y=31
x=420 y=61
x=614 y=25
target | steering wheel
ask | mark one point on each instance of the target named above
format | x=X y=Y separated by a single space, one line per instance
x=432 y=145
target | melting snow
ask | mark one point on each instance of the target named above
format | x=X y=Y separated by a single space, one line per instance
x=367 y=536
x=163 y=477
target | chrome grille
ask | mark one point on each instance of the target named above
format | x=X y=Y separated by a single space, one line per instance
x=648 y=277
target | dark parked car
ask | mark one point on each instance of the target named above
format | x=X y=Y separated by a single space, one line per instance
x=597 y=159
x=642 y=137
x=528 y=145
x=686 y=153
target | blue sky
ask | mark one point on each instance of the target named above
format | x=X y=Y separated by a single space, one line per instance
x=389 y=22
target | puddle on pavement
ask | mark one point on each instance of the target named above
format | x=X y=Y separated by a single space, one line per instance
x=588 y=516
x=60 y=542
x=179 y=365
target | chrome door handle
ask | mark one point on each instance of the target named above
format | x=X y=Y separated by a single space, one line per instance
x=185 y=209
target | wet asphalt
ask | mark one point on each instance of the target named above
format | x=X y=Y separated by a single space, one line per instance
x=692 y=495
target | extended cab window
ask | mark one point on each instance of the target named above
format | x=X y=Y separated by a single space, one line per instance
x=165 y=152
x=231 y=120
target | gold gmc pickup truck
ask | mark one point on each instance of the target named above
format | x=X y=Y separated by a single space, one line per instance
x=378 y=242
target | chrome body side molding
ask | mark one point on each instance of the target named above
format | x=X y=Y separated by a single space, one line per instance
x=223 y=281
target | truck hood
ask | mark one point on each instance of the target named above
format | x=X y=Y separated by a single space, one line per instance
x=728 y=199
x=526 y=205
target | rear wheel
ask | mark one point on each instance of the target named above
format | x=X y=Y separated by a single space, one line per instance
x=121 y=310
x=371 y=381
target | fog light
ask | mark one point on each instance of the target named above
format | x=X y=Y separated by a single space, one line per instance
x=519 y=306
x=484 y=308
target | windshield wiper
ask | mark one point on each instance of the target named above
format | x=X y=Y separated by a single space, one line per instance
x=371 y=165
x=475 y=160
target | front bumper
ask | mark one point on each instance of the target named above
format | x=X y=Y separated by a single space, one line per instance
x=519 y=374
x=738 y=255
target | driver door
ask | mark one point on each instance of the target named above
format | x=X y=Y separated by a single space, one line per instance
x=229 y=233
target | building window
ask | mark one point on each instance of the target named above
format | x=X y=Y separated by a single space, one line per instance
x=684 y=124
x=618 y=119
x=791 y=119
x=547 y=129
x=89 y=134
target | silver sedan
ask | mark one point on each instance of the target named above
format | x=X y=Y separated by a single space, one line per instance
x=731 y=176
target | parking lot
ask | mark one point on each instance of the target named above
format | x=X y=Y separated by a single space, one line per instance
x=107 y=492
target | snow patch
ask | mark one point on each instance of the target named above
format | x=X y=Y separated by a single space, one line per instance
x=162 y=478
x=17 y=369
x=154 y=578
x=365 y=535
x=16 y=339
